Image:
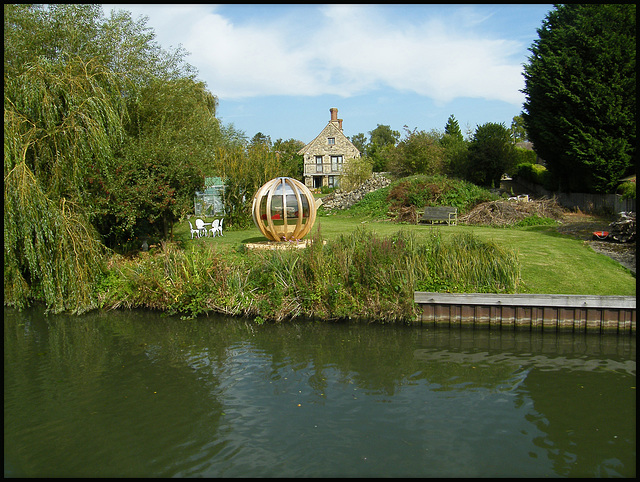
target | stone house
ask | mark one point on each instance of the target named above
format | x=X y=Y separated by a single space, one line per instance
x=326 y=155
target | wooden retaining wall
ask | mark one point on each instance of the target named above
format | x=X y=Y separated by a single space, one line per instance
x=567 y=313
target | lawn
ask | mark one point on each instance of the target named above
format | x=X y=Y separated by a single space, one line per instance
x=551 y=263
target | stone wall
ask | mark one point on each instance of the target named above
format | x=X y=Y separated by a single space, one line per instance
x=343 y=200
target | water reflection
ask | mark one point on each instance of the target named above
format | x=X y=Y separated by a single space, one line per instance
x=136 y=394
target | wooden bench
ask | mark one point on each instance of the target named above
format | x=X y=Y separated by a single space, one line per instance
x=447 y=214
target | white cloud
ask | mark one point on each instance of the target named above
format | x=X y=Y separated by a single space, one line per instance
x=344 y=50
x=239 y=61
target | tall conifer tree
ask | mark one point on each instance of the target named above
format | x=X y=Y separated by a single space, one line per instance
x=580 y=86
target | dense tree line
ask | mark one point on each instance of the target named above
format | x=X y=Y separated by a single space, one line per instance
x=482 y=159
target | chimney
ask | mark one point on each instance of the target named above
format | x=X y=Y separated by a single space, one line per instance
x=334 y=114
x=340 y=123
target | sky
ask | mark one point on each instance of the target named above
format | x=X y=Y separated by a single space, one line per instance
x=278 y=69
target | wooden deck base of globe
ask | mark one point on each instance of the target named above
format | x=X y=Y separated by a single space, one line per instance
x=303 y=243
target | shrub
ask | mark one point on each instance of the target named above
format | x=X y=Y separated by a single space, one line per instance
x=534 y=173
x=420 y=191
x=627 y=189
x=525 y=156
x=360 y=275
x=357 y=171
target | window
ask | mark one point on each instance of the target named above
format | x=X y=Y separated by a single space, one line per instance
x=318 y=163
x=331 y=141
x=336 y=163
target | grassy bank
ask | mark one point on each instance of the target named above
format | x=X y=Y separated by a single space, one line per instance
x=355 y=269
x=550 y=263
x=358 y=274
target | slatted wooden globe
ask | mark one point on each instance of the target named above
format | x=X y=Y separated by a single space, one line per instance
x=284 y=209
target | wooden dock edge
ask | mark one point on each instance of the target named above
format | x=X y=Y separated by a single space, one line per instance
x=566 y=313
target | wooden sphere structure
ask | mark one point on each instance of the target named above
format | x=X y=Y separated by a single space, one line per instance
x=284 y=209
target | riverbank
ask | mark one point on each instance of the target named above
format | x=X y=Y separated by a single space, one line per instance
x=358 y=275
x=554 y=259
x=357 y=269
x=357 y=272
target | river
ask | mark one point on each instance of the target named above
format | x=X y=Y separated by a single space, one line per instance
x=130 y=394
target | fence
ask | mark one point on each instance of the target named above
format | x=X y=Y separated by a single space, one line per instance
x=589 y=203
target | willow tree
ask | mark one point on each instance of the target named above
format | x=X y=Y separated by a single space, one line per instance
x=61 y=119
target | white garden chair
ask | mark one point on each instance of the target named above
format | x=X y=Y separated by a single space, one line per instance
x=193 y=231
x=218 y=227
x=201 y=227
x=214 y=227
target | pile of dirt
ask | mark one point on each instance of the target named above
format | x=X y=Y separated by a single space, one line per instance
x=510 y=212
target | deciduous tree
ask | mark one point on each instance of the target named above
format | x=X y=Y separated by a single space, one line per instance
x=360 y=141
x=419 y=152
x=382 y=139
x=518 y=130
x=170 y=147
x=287 y=153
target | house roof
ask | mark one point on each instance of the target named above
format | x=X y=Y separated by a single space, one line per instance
x=334 y=127
x=213 y=181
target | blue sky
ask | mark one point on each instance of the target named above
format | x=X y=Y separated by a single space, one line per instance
x=278 y=69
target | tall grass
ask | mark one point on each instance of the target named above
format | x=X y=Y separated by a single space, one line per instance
x=174 y=280
x=468 y=264
x=359 y=275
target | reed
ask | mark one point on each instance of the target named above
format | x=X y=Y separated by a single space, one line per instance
x=173 y=280
x=360 y=275
x=467 y=264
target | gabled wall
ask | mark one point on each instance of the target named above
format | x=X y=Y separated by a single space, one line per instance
x=328 y=173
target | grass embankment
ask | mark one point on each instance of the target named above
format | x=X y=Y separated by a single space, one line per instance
x=550 y=263
x=365 y=269
x=359 y=275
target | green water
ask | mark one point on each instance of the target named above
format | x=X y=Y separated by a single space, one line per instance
x=138 y=394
